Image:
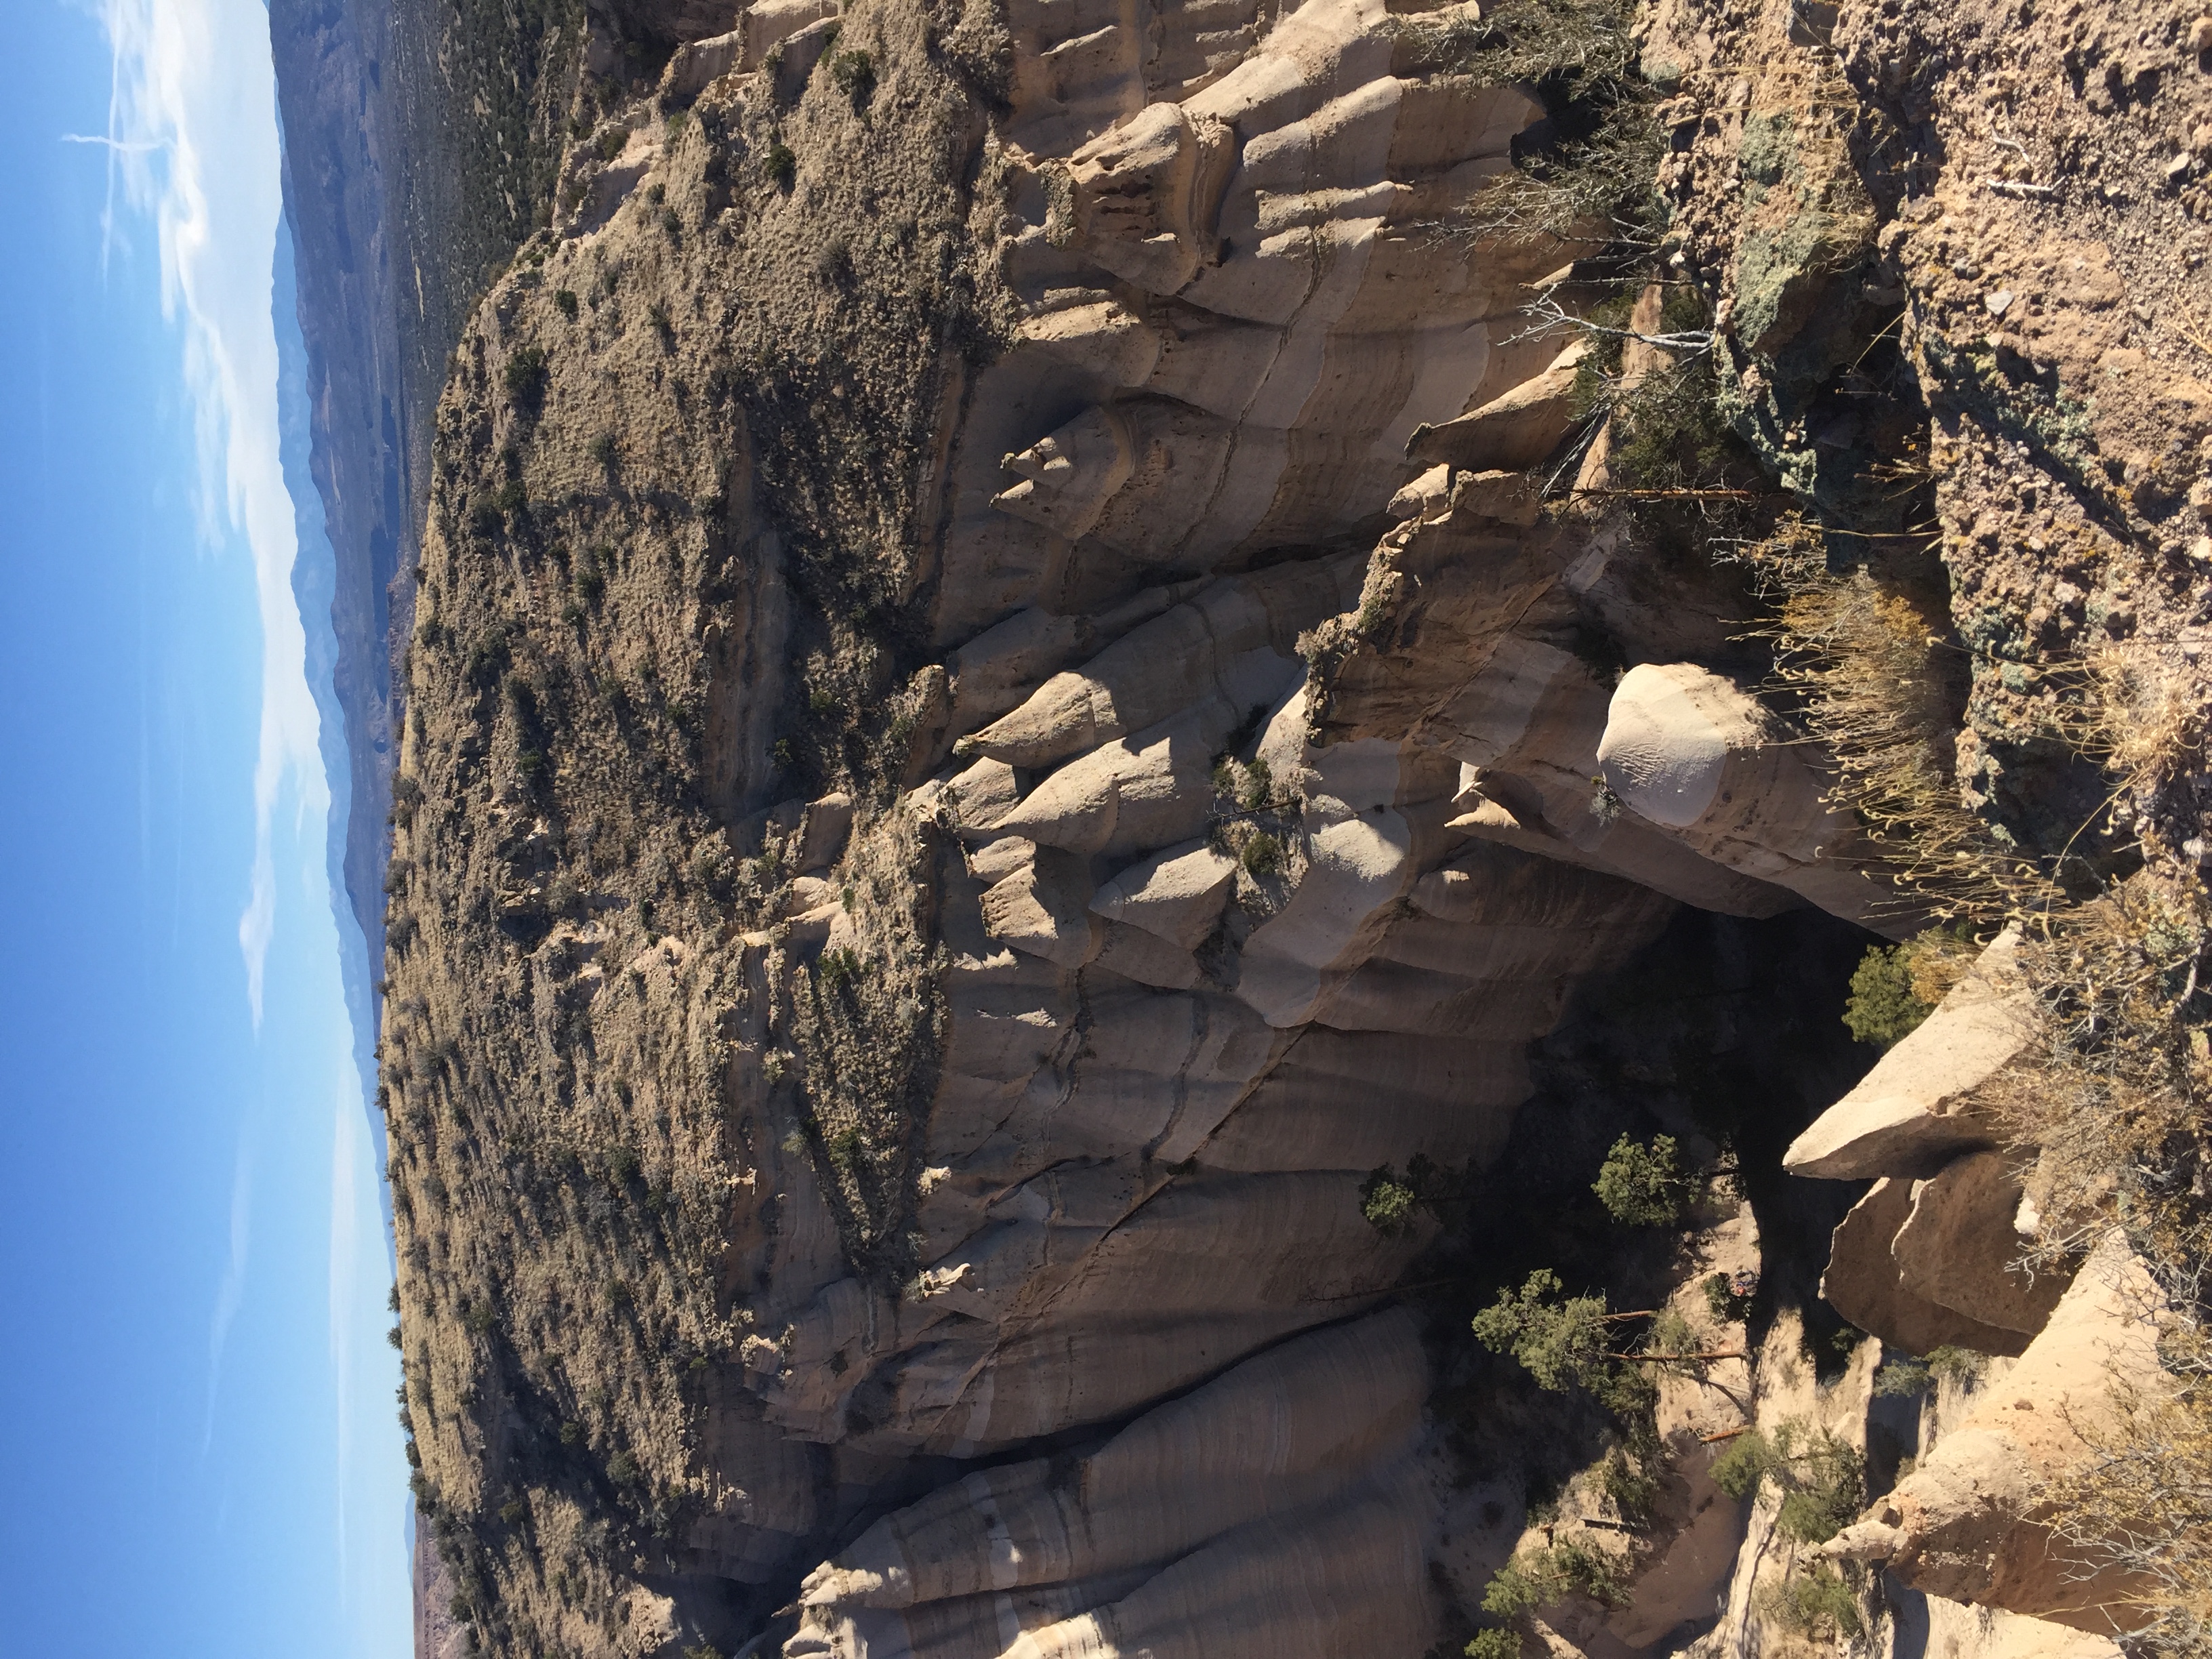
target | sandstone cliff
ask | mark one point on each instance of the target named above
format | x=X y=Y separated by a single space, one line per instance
x=1048 y=633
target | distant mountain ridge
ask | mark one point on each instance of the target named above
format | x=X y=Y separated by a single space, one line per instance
x=360 y=419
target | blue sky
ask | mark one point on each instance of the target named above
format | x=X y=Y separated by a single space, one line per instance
x=198 y=1453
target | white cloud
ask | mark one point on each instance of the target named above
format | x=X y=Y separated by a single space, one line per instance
x=231 y=1293
x=192 y=142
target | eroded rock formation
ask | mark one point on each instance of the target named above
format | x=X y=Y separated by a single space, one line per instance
x=1005 y=702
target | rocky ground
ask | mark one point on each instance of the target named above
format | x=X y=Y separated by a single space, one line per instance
x=1058 y=646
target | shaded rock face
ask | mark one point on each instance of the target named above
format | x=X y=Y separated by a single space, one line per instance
x=1968 y=1522
x=921 y=1219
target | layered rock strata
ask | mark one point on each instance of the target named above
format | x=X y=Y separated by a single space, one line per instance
x=998 y=717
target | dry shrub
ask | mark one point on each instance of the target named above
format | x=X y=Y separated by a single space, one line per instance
x=2147 y=726
x=2114 y=1096
x=2141 y=1502
x=2113 y=1105
x=1874 y=681
x=2111 y=1100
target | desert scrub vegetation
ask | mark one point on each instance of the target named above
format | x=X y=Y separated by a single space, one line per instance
x=2107 y=1108
x=1592 y=182
x=1818 y=1480
x=597 y=1027
x=1816 y=1602
x=1864 y=658
x=1543 y=1576
x=868 y=1028
x=1896 y=986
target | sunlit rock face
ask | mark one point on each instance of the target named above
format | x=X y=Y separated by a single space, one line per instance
x=1224 y=930
x=1267 y=799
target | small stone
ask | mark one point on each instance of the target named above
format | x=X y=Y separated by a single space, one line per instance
x=2201 y=549
x=2177 y=170
x=2200 y=36
x=1997 y=302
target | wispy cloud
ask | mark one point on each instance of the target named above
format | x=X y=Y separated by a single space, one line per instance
x=192 y=144
x=231 y=1293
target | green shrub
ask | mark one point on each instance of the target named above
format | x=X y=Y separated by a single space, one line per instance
x=1818 y=1511
x=1540 y=1577
x=565 y=302
x=1387 y=1204
x=1258 y=786
x=1726 y=1306
x=1494 y=1644
x=1632 y=1487
x=1644 y=1186
x=1822 y=1479
x=1815 y=1604
x=1561 y=1340
x=1390 y=1201
x=854 y=74
x=781 y=164
x=1960 y=1366
x=612 y=142
x=525 y=376
x=1748 y=1460
x=1902 y=1379
x=1883 y=1008
x=1262 y=856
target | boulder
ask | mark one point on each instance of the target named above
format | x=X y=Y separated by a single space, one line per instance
x=1958 y=1245
x=1914 y=1110
x=823 y=830
x=980 y=796
x=1069 y=475
x=1697 y=756
x=1863 y=1282
x=1965 y=1523
x=1132 y=795
x=1042 y=907
x=1509 y=432
x=1144 y=199
x=1176 y=894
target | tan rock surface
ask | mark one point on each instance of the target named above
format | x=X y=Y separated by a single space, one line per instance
x=1958 y=1245
x=1913 y=1109
x=1865 y=1283
x=1697 y=756
x=1964 y=1524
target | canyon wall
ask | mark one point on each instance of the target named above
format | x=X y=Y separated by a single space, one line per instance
x=1031 y=658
